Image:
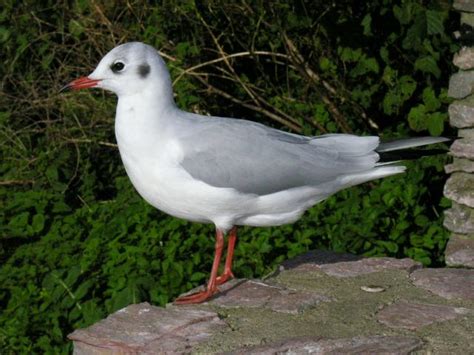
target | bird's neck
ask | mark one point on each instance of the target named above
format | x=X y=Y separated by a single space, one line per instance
x=144 y=118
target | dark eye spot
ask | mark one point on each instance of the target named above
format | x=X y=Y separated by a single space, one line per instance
x=143 y=70
x=117 y=67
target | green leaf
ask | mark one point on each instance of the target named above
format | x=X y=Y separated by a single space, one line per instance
x=91 y=312
x=416 y=33
x=384 y=54
x=325 y=64
x=407 y=86
x=38 y=222
x=365 y=65
x=400 y=93
x=390 y=103
x=72 y=275
x=430 y=100
x=445 y=202
x=46 y=60
x=349 y=55
x=421 y=220
x=392 y=247
x=389 y=75
x=19 y=222
x=185 y=48
x=52 y=174
x=436 y=123
x=83 y=288
x=198 y=276
x=124 y=297
x=403 y=14
x=366 y=24
x=4 y=34
x=417 y=118
x=427 y=64
x=75 y=28
x=434 y=22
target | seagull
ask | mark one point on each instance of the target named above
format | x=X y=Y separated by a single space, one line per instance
x=225 y=171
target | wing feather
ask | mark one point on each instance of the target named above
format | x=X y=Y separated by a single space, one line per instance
x=256 y=159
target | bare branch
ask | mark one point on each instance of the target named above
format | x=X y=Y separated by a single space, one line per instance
x=302 y=62
x=226 y=61
x=16 y=182
x=228 y=56
x=293 y=126
x=90 y=141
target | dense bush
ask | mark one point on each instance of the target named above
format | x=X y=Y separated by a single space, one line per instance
x=77 y=242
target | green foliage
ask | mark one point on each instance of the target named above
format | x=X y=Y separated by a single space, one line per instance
x=427 y=115
x=78 y=243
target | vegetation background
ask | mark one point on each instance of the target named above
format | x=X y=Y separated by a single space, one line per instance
x=77 y=242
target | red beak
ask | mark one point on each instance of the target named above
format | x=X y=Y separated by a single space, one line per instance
x=81 y=83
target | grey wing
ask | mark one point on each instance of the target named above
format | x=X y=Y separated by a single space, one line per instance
x=253 y=158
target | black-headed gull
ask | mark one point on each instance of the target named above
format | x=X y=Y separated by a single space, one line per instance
x=225 y=171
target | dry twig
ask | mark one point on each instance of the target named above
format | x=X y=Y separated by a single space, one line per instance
x=16 y=182
x=265 y=112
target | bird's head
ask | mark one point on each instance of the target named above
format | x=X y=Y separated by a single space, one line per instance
x=129 y=69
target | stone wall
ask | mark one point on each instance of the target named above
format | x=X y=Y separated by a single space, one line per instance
x=459 y=219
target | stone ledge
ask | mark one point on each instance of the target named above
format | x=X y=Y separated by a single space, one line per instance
x=446 y=283
x=329 y=303
x=416 y=315
x=358 y=345
x=257 y=294
x=347 y=265
x=147 y=329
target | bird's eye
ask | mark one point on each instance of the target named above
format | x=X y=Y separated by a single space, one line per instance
x=117 y=67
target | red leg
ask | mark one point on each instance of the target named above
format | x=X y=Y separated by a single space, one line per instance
x=211 y=288
x=227 y=274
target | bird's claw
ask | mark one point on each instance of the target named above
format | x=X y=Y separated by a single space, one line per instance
x=224 y=277
x=197 y=297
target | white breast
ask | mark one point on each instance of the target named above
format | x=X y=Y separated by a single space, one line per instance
x=161 y=181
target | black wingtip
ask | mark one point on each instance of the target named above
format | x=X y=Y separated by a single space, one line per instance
x=409 y=154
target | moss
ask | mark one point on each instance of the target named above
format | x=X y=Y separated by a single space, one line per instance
x=351 y=313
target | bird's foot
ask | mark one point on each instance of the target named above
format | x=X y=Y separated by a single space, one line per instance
x=224 y=277
x=197 y=297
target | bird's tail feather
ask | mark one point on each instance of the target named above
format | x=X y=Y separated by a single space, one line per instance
x=376 y=173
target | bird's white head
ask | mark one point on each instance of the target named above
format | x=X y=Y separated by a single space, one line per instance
x=129 y=69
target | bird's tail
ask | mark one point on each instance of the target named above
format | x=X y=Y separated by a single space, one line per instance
x=390 y=155
x=390 y=152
